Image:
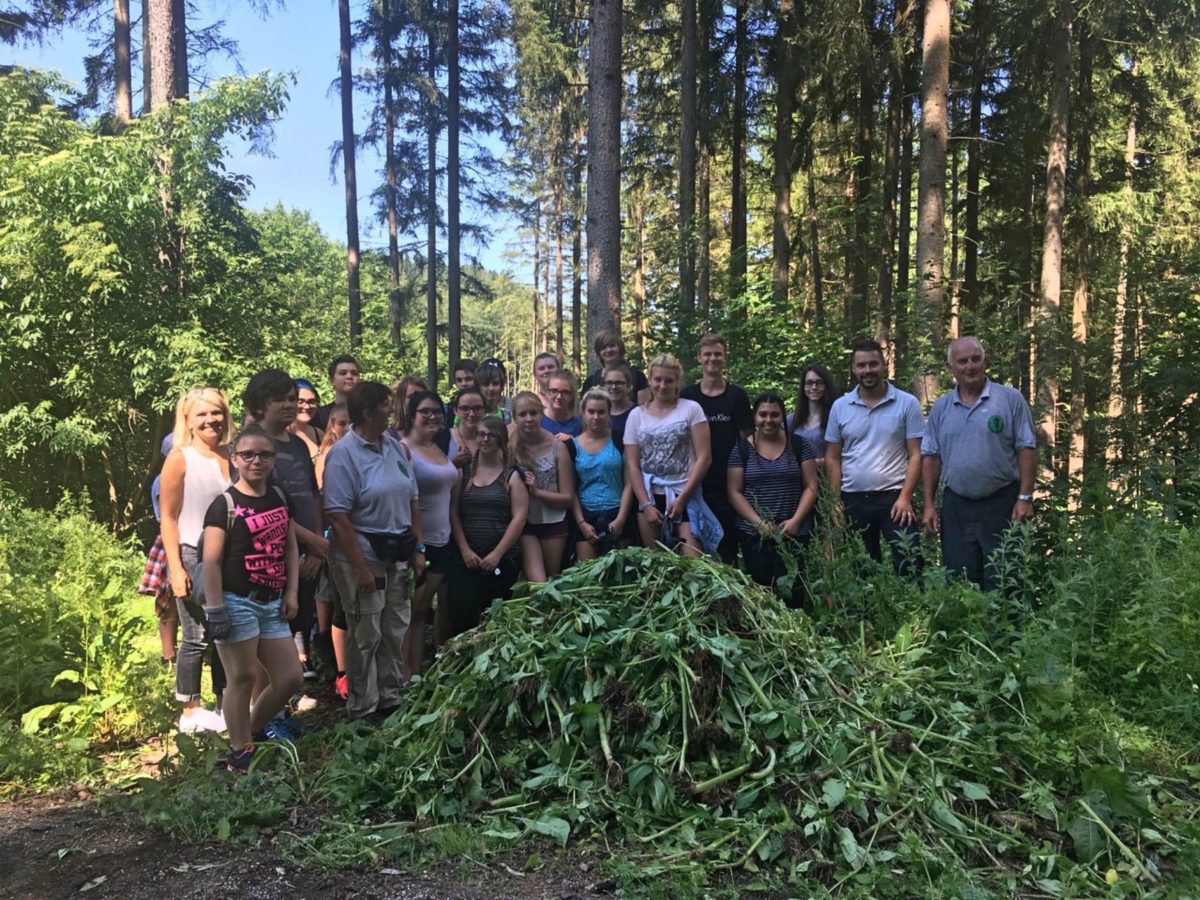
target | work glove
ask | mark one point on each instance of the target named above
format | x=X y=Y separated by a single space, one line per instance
x=217 y=623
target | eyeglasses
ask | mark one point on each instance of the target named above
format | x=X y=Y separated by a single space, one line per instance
x=559 y=392
x=470 y=410
x=488 y=435
x=306 y=403
x=616 y=383
x=430 y=412
x=250 y=456
x=809 y=384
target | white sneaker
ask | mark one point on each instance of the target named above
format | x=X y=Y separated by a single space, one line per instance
x=201 y=719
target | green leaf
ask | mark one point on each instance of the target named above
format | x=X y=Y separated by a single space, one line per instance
x=552 y=827
x=854 y=855
x=833 y=792
x=974 y=791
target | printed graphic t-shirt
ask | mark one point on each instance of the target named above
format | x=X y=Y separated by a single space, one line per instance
x=665 y=441
x=255 y=549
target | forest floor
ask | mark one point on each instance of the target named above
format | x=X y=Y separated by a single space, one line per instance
x=73 y=844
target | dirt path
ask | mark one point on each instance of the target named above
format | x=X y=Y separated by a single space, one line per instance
x=63 y=846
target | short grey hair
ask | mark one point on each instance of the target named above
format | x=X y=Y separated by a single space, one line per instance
x=966 y=337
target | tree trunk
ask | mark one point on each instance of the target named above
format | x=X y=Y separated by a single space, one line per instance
x=122 y=65
x=537 y=275
x=814 y=251
x=639 y=281
x=1080 y=296
x=179 y=37
x=453 y=177
x=971 y=233
x=395 y=312
x=904 y=238
x=737 y=225
x=901 y=39
x=431 y=208
x=351 y=175
x=577 y=257
x=560 y=343
x=1050 y=283
x=163 y=47
x=864 y=151
x=954 y=298
x=703 y=237
x=783 y=151
x=147 y=57
x=931 y=189
x=687 y=164
x=604 y=172
x=1116 y=397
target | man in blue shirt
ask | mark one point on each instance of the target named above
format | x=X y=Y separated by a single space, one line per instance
x=980 y=444
x=873 y=458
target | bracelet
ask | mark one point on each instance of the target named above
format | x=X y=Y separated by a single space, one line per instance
x=642 y=507
x=1028 y=498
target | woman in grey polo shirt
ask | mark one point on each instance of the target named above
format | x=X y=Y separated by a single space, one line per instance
x=371 y=502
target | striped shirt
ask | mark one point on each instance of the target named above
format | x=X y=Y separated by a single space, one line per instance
x=773 y=486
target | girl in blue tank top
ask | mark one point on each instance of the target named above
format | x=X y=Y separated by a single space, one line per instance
x=602 y=500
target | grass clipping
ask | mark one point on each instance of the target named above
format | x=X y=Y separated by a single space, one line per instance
x=670 y=706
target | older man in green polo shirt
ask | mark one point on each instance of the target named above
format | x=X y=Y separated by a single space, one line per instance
x=980 y=444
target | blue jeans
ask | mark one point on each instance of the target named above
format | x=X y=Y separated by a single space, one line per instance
x=194 y=644
x=870 y=512
x=251 y=619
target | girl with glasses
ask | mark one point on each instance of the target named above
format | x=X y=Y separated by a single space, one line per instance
x=560 y=418
x=471 y=407
x=308 y=401
x=813 y=401
x=617 y=381
x=437 y=487
x=251 y=578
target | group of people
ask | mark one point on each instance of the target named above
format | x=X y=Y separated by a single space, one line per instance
x=333 y=529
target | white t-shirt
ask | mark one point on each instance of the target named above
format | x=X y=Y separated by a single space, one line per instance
x=666 y=441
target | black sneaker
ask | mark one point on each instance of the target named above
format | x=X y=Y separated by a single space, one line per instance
x=239 y=760
x=310 y=671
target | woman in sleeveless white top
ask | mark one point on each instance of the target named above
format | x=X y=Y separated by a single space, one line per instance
x=550 y=478
x=194 y=474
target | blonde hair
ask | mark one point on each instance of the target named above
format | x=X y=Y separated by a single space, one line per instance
x=666 y=361
x=182 y=436
x=397 y=411
x=599 y=394
x=519 y=453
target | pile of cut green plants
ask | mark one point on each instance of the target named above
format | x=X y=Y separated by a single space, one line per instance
x=671 y=713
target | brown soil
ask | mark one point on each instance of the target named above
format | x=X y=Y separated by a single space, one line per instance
x=64 y=846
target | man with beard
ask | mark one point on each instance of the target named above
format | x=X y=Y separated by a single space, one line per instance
x=981 y=446
x=873 y=458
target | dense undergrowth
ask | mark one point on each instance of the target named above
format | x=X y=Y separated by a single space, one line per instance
x=916 y=739
x=81 y=675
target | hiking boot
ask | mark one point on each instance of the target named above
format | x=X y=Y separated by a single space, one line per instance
x=239 y=760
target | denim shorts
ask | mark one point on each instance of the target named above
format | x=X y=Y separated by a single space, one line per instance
x=251 y=619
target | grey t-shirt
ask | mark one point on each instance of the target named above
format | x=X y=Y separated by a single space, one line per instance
x=978 y=444
x=372 y=484
x=873 y=438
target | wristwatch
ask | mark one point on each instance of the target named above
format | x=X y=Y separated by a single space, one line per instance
x=1028 y=498
x=420 y=548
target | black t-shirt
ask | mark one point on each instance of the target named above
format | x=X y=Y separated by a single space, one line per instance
x=728 y=416
x=321 y=416
x=256 y=548
x=596 y=380
x=294 y=473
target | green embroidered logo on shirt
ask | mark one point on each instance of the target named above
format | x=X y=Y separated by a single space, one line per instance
x=996 y=424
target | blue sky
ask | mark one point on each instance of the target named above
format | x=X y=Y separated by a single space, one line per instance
x=303 y=40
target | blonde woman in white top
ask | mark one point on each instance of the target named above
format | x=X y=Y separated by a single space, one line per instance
x=195 y=472
x=545 y=466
